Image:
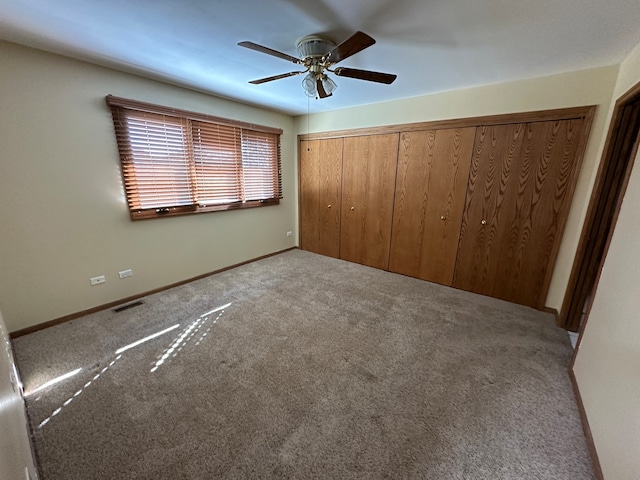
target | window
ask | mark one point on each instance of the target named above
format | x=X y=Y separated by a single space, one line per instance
x=176 y=162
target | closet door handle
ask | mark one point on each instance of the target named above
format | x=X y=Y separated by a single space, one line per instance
x=353 y=208
x=483 y=222
x=328 y=206
x=443 y=217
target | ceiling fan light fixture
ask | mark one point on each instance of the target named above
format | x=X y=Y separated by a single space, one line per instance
x=329 y=85
x=309 y=84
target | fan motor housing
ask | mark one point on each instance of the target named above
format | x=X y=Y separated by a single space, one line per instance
x=313 y=46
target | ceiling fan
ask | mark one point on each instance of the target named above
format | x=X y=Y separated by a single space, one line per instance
x=317 y=56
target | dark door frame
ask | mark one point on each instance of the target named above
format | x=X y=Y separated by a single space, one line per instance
x=611 y=182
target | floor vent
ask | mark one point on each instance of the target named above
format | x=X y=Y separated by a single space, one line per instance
x=122 y=308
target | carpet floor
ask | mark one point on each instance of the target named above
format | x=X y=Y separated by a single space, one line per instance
x=303 y=366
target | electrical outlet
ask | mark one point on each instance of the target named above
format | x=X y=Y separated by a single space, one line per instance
x=125 y=273
x=98 y=280
x=289 y=233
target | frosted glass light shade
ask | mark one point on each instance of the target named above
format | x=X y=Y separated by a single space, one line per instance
x=329 y=85
x=309 y=84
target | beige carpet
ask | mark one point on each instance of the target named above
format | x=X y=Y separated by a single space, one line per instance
x=302 y=366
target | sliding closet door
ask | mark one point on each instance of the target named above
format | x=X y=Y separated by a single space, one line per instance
x=368 y=182
x=520 y=182
x=433 y=168
x=320 y=184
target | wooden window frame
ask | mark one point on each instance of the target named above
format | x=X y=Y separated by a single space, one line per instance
x=188 y=167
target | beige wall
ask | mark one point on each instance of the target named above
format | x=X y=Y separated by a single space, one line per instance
x=63 y=217
x=607 y=365
x=588 y=87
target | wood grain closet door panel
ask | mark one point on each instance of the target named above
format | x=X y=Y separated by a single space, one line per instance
x=534 y=245
x=516 y=204
x=309 y=196
x=320 y=194
x=368 y=182
x=491 y=180
x=433 y=168
x=331 y=195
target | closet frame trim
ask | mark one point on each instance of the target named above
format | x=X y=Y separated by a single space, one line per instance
x=586 y=112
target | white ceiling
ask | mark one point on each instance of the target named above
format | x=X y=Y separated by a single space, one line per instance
x=432 y=45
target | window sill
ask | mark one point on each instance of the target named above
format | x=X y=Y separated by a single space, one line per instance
x=194 y=209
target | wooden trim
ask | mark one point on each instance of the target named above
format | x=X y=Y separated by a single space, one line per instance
x=596 y=192
x=150 y=213
x=614 y=220
x=106 y=306
x=630 y=95
x=152 y=108
x=597 y=469
x=521 y=117
x=552 y=311
x=299 y=167
x=584 y=264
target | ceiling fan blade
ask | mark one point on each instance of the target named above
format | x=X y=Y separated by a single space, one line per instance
x=365 y=75
x=269 y=51
x=276 y=77
x=352 y=45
